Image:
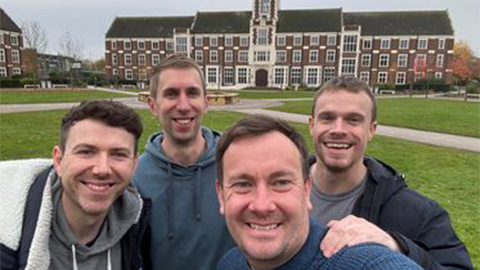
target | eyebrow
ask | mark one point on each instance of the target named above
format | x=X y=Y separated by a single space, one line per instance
x=90 y=146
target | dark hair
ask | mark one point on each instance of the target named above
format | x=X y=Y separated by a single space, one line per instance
x=175 y=61
x=109 y=112
x=346 y=83
x=256 y=125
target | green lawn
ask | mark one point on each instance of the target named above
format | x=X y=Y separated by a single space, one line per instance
x=255 y=94
x=448 y=176
x=445 y=116
x=53 y=96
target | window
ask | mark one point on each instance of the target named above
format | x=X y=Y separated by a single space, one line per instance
x=228 y=56
x=348 y=66
x=385 y=43
x=367 y=43
x=402 y=60
x=384 y=59
x=229 y=41
x=264 y=7
x=281 y=40
x=365 y=76
x=114 y=59
x=127 y=45
x=129 y=74
x=243 y=56
x=441 y=44
x=297 y=40
x=155 y=45
x=128 y=59
x=169 y=44
x=281 y=56
x=366 y=60
x=438 y=75
x=401 y=78
x=296 y=75
x=181 y=45
x=155 y=59
x=1 y=39
x=213 y=56
x=422 y=43
x=440 y=60
x=115 y=72
x=199 y=41
x=17 y=71
x=141 y=45
x=141 y=59
x=213 y=41
x=328 y=73
x=244 y=41
x=382 y=77
x=13 y=40
x=114 y=44
x=297 y=56
x=242 y=74
x=262 y=37
x=142 y=75
x=198 y=56
x=3 y=72
x=330 y=55
x=261 y=56
x=15 y=56
x=228 y=77
x=403 y=44
x=212 y=75
x=331 y=40
x=350 y=43
x=2 y=55
x=314 y=40
x=313 y=56
x=312 y=76
x=279 y=76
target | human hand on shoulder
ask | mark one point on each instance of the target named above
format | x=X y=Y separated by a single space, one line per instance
x=351 y=231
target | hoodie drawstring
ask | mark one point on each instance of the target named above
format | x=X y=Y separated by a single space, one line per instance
x=198 y=194
x=75 y=265
x=170 y=202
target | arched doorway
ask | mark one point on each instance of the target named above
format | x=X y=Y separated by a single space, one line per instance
x=261 y=78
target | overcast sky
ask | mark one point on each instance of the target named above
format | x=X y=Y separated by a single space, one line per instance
x=89 y=20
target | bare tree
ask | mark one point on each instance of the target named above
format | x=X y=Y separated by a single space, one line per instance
x=68 y=46
x=34 y=36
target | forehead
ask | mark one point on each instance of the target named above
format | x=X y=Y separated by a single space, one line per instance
x=96 y=133
x=179 y=78
x=343 y=100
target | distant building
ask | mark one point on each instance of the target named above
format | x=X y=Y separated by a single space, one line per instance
x=269 y=47
x=11 y=45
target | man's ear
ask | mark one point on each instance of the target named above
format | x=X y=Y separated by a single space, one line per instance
x=310 y=124
x=308 y=189
x=373 y=129
x=220 y=197
x=57 y=155
x=152 y=105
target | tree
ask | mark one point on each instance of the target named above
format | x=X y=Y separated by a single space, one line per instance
x=68 y=46
x=34 y=36
x=462 y=63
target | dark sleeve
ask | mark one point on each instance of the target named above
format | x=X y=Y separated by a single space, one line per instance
x=8 y=258
x=436 y=246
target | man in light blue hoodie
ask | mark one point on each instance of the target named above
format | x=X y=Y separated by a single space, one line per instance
x=178 y=172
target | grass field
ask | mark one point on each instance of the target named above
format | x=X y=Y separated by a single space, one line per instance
x=256 y=94
x=53 y=96
x=448 y=176
x=445 y=116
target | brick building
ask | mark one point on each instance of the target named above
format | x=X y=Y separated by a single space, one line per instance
x=269 y=47
x=11 y=45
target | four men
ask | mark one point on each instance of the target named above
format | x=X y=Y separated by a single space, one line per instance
x=263 y=188
x=82 y=212
x=364 y=200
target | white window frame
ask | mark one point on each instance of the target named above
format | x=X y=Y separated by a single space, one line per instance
x=331 y=40
x=281 y=40
x=213 y=57
x=365 y=76
x=140 y=45
x=114 y=59
x=281 y=56
x=296 y=76
x=367 y=43
x=349 y=66
x=113 y=44
x=314 y=40
x=297 y=56
x=169 y=44
x=3 y=72
x=242 y=75
x=155 y=45
x=262 y=36
x=213 y=42
x=279 y=75
x=441 y=43
x=422 y=43
x=15 y=56
x=312 y=76
x=244 y=41
x=438 y=75
x=243 y=56
x=264 y=7
x=199 y=41
x=402 y=60
x=228 y=76
x=329 y=73
x=228 y=56
x=313 y=56
x=181 y=45
x=127 y=59
x=366 y=60
x=384 y=60
x=198 y=56
x=17 y=71
x=127 y=45
x=401 y=78
x=403 y=41
x=115 y=72
x=142 y=60
x=297 y=40
x=155 y=59
x=385 y=43
x=350 y=43
x=330 y=56
x=212 y=75
x=382 y=79
x=440 y=60
x=128 y=74
x=228 y=41
x=13 y=40
x=261 y=56
x=2 y=55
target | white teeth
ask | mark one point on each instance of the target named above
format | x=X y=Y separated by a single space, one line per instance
x=338 y=145
x=263 y=228
x=184 y=121
x=98 y=187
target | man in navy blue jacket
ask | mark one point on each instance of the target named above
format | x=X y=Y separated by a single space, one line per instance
x=263 y=189
x=362 y=199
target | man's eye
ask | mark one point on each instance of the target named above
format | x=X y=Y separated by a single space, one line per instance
x=282 y=185
x=241 y=187
x=85 y=152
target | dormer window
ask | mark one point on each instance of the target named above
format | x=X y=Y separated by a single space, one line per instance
x=264 y=7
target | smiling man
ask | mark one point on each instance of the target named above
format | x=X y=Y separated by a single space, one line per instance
x=263 y=188
x=177 y=171
x=82 y=212
x=362 y=199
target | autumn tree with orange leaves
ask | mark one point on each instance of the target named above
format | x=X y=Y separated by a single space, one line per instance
x=462 y=62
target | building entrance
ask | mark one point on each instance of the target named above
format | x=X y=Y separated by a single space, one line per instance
x=261 y=78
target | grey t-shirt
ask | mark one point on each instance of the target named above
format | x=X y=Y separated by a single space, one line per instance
x=336 y=206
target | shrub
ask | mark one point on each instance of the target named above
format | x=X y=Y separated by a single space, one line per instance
x=10 y=83
x=25 y=81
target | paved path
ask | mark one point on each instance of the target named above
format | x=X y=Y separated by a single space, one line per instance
x=252 y=106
